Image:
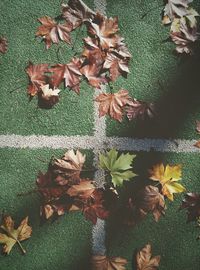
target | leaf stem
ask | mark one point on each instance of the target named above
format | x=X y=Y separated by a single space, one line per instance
x=28 y=192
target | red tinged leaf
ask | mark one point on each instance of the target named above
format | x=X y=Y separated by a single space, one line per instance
x=49 y=96
x=145 y=261
x=69 y=73
x=101 y=262
x=93 y=55
x=113 y=104
x=105 y=30
x=191 y=203
x=140 y=109
x=3 y=45
x=83 y=189
x=76 y=12
x=52 y=32
x=198 y=126
x=197 y=144
x=37 y=77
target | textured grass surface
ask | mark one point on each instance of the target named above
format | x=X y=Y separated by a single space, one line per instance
x=171 y=237
x=62 y=244
x=73 y=114
x=157 y=74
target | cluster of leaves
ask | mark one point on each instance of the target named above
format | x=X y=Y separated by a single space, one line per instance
x=63 y=190
x=143 y=258
x=11 y=236
x=183 y=22
x=3 y=45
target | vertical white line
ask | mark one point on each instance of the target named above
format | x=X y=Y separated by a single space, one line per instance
x=98 y=232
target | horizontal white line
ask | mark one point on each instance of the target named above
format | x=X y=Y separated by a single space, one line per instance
x=92 y=142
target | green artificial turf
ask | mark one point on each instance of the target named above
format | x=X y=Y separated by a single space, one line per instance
x=171 y=237
x=156 y=73
x=73 y=115
x=62 y=244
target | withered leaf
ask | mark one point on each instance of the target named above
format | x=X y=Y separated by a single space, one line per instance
x=37 y=77
x=113 y=104
x=69 y=166
x=100 y=262
x=191 y=203
x=197 y=144
x=49 y=96
x=140 y=109
x=83 y=189
x=69 y=73
x=145 y=261
x=198 y=126
x=3 y=45
x=11 y=236
x=76 y=12
x=52 y=32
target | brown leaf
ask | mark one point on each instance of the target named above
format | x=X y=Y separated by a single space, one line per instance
x=197 y=144
x=140 y=109
x=105 y=30
x=76 y=12
x=49 y=96
x=198 y=126
x=100 y=262
x=69 y=166
x=69 y=73
x=145 y=261
x=37 y=77
x=92 y=54
x=83 y=189
x=113 y=104
x=11 y=236
x=191 y=202
x=52 y=32
x=3 y=45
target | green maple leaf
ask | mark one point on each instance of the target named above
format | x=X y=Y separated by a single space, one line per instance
x=119 y=167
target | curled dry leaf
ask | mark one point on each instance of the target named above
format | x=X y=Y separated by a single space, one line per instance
x=140 y=109
x=113 y=104
x=100 y=262
x=69 y=166
x=83 y=189
x=191 y=203
x=52 y=32
x=168 y=177
x=69 y=73
x=76 y=12
x=3 y=45
x=145 y=261
x=198 y=126
x=49 y=96
x=11 y=236
x=175 y=8
x=37 y=77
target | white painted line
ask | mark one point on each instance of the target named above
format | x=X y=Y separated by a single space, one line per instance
x=93 y=143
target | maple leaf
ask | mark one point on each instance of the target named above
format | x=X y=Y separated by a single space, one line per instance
x=118 y=167
x=191 y=202
x=113 y=104
x=52 y=32
x=3 y=45
x=183 y=35
x=69 y=166
x=49 y=96
x=11 y=236
x=168 y=177
x=145 y=261
x=175 y=8
x=83 y=189
x=105 y=30
x=101 y=262
x=93 y=54
x=140 y=109
x=69 y=73
x=77 y=12
x=37 y=77
x=117 y=66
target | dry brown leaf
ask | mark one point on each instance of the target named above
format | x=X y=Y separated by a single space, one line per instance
x=145 y=261
x=197 y=144
x=100 y=262
x=83 y=189
x=140 y=109
x=49 y=96
x=113 y=104
x=3 y=45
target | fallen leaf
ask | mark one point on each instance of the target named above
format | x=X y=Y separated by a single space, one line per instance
x=3 y=45
x=83 y=189
x=52 y=32
x=37 y=77
x=11 y=236
x=191 y=202
x=167 y=177
x=77 y=12
x=140 y=109
x=117 y=165
x=69 y=73
x=50 y=96
x=100 y=262
x=198 y=126
x=145 y=261
x=113 y=104
x=69 y=166
x=197 y=144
